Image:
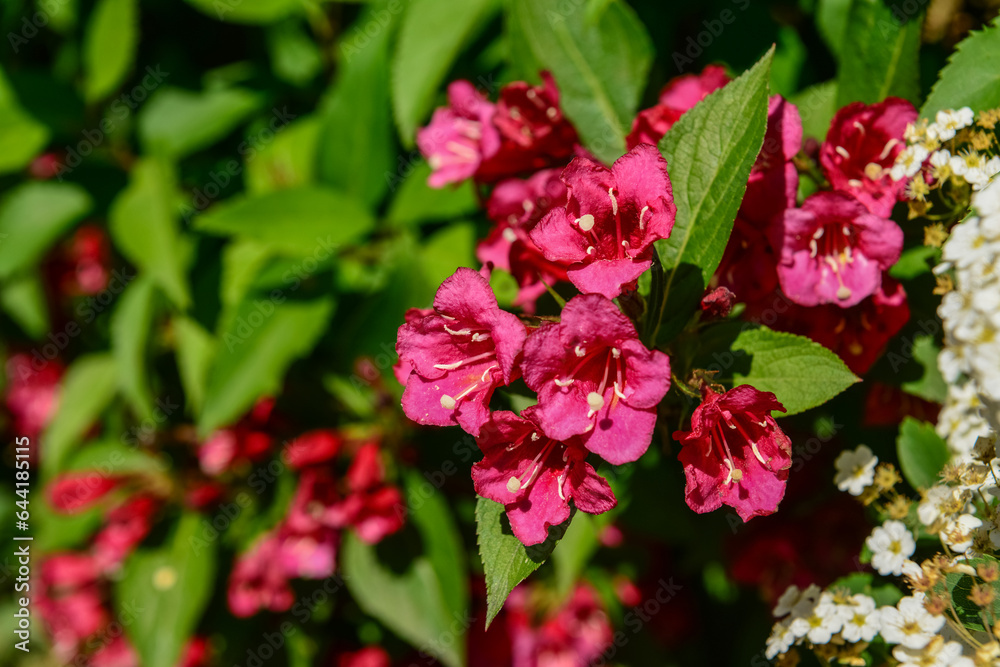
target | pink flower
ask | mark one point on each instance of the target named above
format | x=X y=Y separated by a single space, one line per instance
x=611 y=219
x=70 y=601
x=680 y=94
x=401 y=370
x=124 y=528
x=459 y=354
x=255 y=582
x=748 y=267
x=459 y=136
x=517 y=206
x=861 y=147
x=535 y=477
x=857 y=334
x=117 y=652
x=774 y=180
x=735 y=453
x=75 y=492
x=833 y=250
x=372 y=507
x=82 y=265
x=248 y=441
x=197 y=653
x=576 y=635
x=534 y=133
x=369 y=656
x=307 y=544
x=32 y=392
x=594 y=378
x=312 y=448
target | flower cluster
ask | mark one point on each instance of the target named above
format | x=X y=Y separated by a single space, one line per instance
x=823 y=265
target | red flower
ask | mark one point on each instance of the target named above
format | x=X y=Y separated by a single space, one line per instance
x=249 y=440
x=577 y=634
x=459 y=136
x=735 y=453
x=124 y=528
x=680 y=94
x=312 y=448
x=369 y=656
x=75 y=492
x=372 y=507
x=32 y=392
x=256 y=583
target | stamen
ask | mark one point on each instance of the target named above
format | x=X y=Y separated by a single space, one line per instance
x=860 y=127
x=552 y=112
x=509 y=235
x=616 y=353
x=855 y=183
x=470 y=360
x=888 y=147
x=580 y=352
x=641 y=213
x=559 y=485
x=618 y=392
x=595 y=401
x=447 y=402
x=460 y=332
x=586 y=222
x=513 y=485
x=614 y=202
x=842 y=152
x=756 y=452
x=590 y=250
x=563 y=383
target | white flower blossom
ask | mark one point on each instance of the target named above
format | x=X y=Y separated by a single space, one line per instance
x=864 y=622
x=891 y=545
x=947 y=123
x=938 y=653
x=909 y=623
x=855 y=470
x=958 y=533
x=781 y=640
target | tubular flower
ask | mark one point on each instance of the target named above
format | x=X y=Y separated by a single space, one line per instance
x=735 y=453
x=611 y=219
x=460 y=136
x=833 y=250
x=535 y=476
x=459 y=354
x=595 y=379
x=680 y=94
x=861 y=148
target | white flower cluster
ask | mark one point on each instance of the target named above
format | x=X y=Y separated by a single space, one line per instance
x=814 y=616
x=855 y=470
x=924 y=144
x=971 y=317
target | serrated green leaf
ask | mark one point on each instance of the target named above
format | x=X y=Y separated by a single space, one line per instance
x=87 y=389
x=131 y=323
x=431 y=38
x=709 y=153
x=880 y=56
x=356 y=152
x=109 y=46
x=922 y=453
x=507 y=562
x=599 y=54
x=144 y=226
x=972 y=76
x=255 y=350
x=422 y=602
x=297 y=221
x=801 y=373
x=33 y=216
x=165 y=591
x=175 y=122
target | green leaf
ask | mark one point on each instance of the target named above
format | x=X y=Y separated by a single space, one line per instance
x=109 y=46
x=417 y=203
x=599 y=55
x=507 y=562
x=165 y=591
x=112 y=457
x=972 y=76
x=831 y=21
x=288 y=161
x=295 y=57
x=21 y=136
x=421 y=601
x=23 y=298
x=356 y=151
x=959 y=587
x=87 y=389
x=433 y=35
x=298 y=221
x=801 y=373
x=33 y=216
x=922 y=453
x=176 y=123
x=710 y=151
x=195 y=352
x=255 y=350
x=248 y=11
x=143 y=223
x=789 y=58
x=817 y=106
x=914 y=262
x=880 y=56
x=131 y=323
x=574 y=551
x=930 y=385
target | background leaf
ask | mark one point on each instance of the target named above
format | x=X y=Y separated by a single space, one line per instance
x=971 y=77
x=922 y=453
x=431 y=38
x=109 y=46
x=32 y=217
x=717 y=143
x=599 y=59
x=880 y=56
x=164 y=592
x=131 y=323
x=175 y=122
